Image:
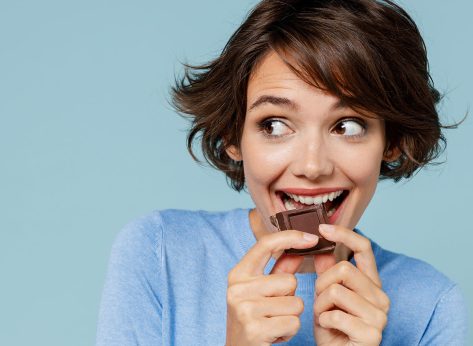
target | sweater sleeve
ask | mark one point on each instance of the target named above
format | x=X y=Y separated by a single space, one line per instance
x=130 y=310
x=448 y=324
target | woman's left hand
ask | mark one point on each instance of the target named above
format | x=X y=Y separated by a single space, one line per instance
x=350 y=306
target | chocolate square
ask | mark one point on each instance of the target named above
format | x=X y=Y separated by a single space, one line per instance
x=305 y=220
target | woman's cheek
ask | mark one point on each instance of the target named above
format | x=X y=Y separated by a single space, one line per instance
x=364 y=170
x=362 y=162
x=263 y=163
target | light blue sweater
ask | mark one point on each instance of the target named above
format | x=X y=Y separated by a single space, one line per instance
x=167 y=281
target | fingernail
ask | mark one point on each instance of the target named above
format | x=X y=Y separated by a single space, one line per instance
x=310 y=237
x=326 y=228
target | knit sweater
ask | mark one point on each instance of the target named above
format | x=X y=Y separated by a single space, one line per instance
x=167 y=282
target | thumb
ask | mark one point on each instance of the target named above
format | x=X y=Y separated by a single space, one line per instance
x=323 y=262
x=287 y=264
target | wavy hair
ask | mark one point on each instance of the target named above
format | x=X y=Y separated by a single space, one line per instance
x=368 y=53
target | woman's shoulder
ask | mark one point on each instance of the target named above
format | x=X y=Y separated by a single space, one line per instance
x=166 y=225
x=423 y=300
x=182 y=220
x=400 y=270
x=412 y=279
x=199 y=219
x=400 y=267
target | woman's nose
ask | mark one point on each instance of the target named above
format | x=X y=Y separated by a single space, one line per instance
x=312 y=161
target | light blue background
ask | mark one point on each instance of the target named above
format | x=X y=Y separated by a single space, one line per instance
x=88 y=143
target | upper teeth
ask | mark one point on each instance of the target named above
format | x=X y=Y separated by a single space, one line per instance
x=316 y=199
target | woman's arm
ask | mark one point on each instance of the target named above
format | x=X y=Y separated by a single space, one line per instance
x=131 y=311
x=449 y=322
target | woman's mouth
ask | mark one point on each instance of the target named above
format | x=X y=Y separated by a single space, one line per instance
x=331 y=201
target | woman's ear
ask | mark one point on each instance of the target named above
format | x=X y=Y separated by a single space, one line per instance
x=233 y=152
x=391 y=154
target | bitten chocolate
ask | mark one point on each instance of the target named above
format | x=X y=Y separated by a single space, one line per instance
x=305 y=220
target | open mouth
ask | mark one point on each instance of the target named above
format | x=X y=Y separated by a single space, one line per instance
x=331 y=201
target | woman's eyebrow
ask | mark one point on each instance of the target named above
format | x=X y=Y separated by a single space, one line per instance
x=275 y=100
x=287 y=103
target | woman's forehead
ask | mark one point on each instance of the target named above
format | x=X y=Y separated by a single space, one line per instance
x=274 y=82
x=272 y=73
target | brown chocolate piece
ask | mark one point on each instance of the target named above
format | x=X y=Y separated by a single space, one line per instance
x=305 y=220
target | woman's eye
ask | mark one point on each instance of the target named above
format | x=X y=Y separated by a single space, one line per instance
x=350 y=128
x=274 y=128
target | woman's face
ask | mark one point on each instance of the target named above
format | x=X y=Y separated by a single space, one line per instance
x=300 y=146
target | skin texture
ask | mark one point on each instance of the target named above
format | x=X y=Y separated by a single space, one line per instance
x=310 y=147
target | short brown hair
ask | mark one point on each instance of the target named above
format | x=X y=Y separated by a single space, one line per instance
x=368 y=53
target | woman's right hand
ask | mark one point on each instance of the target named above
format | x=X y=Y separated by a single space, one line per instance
x=262 y=309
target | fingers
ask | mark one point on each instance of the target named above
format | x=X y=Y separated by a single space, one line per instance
x=360 y=245
x=338 y=296
x=352 y=326
x=264 y=321
x=264 y=286
x=255 y=260
x=348 y=275
x=278 y=329
x=262 y=309
x=323 y=262
x=349 y=298
x=287 y=264
x=271 y=307
x=284 y=327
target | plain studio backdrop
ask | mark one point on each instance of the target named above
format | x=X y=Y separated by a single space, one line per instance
x=88 y=143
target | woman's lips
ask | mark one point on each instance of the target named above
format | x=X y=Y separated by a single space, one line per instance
x=279 y=197
x=332 y=219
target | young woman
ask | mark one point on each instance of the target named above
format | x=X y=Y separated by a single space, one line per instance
x=310 y=102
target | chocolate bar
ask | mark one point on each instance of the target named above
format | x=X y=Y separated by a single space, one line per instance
x=305 y=220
